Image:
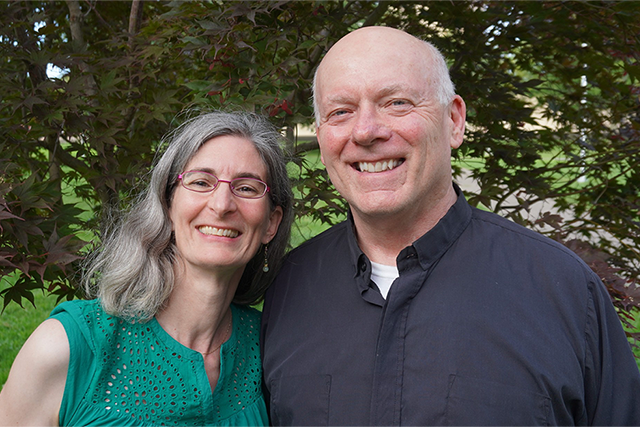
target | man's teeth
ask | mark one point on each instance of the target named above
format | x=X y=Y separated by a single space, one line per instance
x=379 y=166
x=214 y=231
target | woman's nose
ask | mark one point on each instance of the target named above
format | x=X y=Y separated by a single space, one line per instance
x=221 y=199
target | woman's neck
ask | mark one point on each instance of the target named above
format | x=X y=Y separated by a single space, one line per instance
x=197 y=312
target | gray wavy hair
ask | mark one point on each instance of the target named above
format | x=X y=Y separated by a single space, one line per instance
x=132 y=273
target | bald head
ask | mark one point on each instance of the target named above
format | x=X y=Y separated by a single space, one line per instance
x=388 y=47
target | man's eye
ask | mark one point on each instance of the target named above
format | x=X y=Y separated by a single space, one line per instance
x=338 y=113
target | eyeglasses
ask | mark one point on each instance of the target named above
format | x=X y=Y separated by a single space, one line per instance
x=204 y=182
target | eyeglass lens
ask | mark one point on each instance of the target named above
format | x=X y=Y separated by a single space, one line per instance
x=204 y=182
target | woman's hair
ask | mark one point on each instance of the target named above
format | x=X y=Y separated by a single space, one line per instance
x=132 y=273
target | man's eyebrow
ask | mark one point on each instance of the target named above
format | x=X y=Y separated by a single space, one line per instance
x=397 y=89
x=341 y=98
x=390 y=90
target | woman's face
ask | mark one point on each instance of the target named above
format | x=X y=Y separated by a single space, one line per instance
x=219 y=231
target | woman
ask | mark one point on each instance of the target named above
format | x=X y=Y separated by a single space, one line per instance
x=170 y=338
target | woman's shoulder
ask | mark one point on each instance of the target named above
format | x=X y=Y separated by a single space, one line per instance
x=76 y=316
x=34 y=388
x=78 y=307
x=87 y=324
x=48 y=346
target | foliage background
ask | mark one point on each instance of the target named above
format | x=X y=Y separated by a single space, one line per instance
x=89 y=88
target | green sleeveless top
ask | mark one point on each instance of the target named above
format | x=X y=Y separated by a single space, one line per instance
x=135 y=374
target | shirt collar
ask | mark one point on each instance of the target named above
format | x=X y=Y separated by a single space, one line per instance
x=429 y=248
x=360 y=261
x=433 y=244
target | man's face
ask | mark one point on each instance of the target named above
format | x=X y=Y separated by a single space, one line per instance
x=384 y=138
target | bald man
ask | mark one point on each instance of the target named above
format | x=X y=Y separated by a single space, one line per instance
x=420 y=309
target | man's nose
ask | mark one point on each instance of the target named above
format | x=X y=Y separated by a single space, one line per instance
x=369 y=127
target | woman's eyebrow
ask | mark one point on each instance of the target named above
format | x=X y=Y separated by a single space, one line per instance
x=237 y=175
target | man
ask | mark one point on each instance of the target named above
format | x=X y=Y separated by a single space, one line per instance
x=419 y=309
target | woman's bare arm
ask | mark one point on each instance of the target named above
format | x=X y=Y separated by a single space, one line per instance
x=33 y=392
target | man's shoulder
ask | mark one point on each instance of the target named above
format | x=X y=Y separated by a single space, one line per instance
x=505 y=230
x=491 y=219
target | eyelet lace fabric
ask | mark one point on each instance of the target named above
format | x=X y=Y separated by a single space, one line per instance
x=137 y=374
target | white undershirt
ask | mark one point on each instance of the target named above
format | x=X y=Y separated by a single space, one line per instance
x=383 y=276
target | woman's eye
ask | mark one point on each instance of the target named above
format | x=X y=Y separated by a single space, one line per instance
x=246 y=189
x=201 y=183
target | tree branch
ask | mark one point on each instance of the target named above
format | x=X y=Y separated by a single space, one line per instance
x=377 y=13
x=77 y=36
x=135 y=18
x=75 y=22
x=68 y=160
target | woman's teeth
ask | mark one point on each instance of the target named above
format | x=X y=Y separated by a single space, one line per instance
x=214 y=231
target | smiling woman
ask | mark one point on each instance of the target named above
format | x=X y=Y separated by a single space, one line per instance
x=239 y=215
x=170 y=330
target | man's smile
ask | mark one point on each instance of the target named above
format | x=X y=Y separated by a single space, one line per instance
x=380 y=166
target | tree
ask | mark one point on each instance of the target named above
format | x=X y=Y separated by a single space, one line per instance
x=551 y=87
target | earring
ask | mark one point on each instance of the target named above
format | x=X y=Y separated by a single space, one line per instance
x=265 y=267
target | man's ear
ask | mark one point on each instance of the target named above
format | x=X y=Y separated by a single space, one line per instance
x=321 y=157
x=458 y=116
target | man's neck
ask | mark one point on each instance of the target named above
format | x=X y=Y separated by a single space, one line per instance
x=382 y=237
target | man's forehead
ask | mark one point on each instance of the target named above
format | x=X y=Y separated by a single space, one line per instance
x=372 y=37
x=387 y=67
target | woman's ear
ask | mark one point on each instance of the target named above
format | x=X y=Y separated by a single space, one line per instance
x=275 y=217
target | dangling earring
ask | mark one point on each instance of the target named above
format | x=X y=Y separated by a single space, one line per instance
x=265 y=267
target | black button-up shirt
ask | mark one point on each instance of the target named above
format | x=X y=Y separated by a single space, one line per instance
x=488 y=323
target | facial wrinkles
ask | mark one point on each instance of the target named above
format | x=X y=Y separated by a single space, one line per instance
x=372 y=97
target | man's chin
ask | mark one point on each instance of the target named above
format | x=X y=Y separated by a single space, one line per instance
x=385 y=206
